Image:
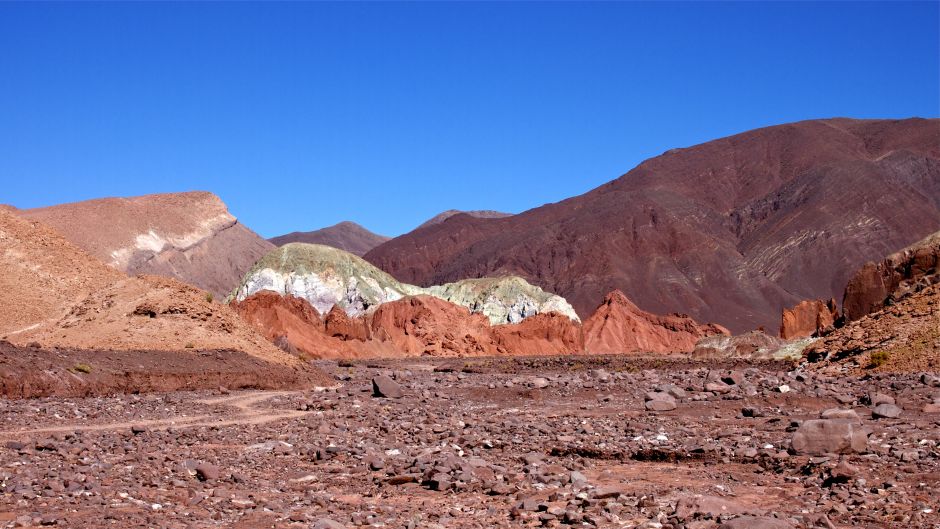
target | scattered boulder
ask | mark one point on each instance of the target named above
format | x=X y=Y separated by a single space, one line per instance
x=829 y=436
x=383 y=386
x=886 y=411
x=756 y=522
x=207 y=472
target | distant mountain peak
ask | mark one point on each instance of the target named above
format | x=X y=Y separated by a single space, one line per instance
x=345 y=235
x=479 y=213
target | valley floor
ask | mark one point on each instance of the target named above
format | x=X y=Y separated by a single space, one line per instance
x=476 y=443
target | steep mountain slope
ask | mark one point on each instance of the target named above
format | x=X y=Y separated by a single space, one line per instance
x=478 y=213
x=328 y=277
x=730 y=231
x=188 y=236
x=346 y=235
x=43 y=274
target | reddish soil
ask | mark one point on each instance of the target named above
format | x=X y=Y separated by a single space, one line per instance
x=550 y=442
x=346 y=235
x=730 y=231
x=29 y=372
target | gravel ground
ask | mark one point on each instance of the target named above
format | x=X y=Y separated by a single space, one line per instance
x=549 y=442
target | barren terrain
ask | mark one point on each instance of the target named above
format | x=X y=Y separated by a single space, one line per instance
x=526 y=442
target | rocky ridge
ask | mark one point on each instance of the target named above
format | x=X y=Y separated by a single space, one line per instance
x=478 y=214
x=188 y=236
x=423 y=325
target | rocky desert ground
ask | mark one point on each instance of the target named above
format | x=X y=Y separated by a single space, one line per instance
x=599 y=441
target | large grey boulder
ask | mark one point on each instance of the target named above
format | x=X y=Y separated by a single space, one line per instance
x=818 y=437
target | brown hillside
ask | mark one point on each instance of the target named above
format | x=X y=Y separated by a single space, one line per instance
x=730 y=231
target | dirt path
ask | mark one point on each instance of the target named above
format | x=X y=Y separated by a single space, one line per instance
x=246 y=404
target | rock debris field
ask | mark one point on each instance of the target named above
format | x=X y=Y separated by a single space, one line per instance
x=606 y=442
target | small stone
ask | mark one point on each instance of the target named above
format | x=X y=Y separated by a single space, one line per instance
x=207 y=472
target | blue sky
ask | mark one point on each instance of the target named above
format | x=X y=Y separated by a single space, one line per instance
x=303 y=115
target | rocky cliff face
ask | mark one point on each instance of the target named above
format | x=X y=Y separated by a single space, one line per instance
x=619 y=326
x=880 y=284
x=892 y=308
x=808 y=318
x=347 y=236
x=188 y=236
x=730 y=231
x=328 y=277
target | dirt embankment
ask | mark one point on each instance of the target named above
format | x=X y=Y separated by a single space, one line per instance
x=28 y=372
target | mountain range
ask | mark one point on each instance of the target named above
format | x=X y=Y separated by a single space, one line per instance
x=730 y=231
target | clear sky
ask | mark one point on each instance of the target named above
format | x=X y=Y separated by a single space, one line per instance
x=303 y=115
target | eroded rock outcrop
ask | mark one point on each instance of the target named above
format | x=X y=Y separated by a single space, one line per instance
x=619 y=326
x=548 y=333
x=808 y=318
x=424 y=325
x=427 y=326
x=754 y=345
x=880 y=284
x=892 y=313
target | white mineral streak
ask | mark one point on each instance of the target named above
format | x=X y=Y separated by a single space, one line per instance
x=153 y=242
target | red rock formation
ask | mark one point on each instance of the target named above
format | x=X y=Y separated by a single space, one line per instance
x=807 y=318
x=428 y=326
x=879 y=284
x=547 y=333
x=727 y=231
x=292 y=324
x=340 y=325
x=346 y=235
x=619 y=326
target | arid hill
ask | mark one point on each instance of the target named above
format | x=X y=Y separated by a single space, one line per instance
x=731 y=231
x=54 y=295
x=346 y=235
x=188 y=236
